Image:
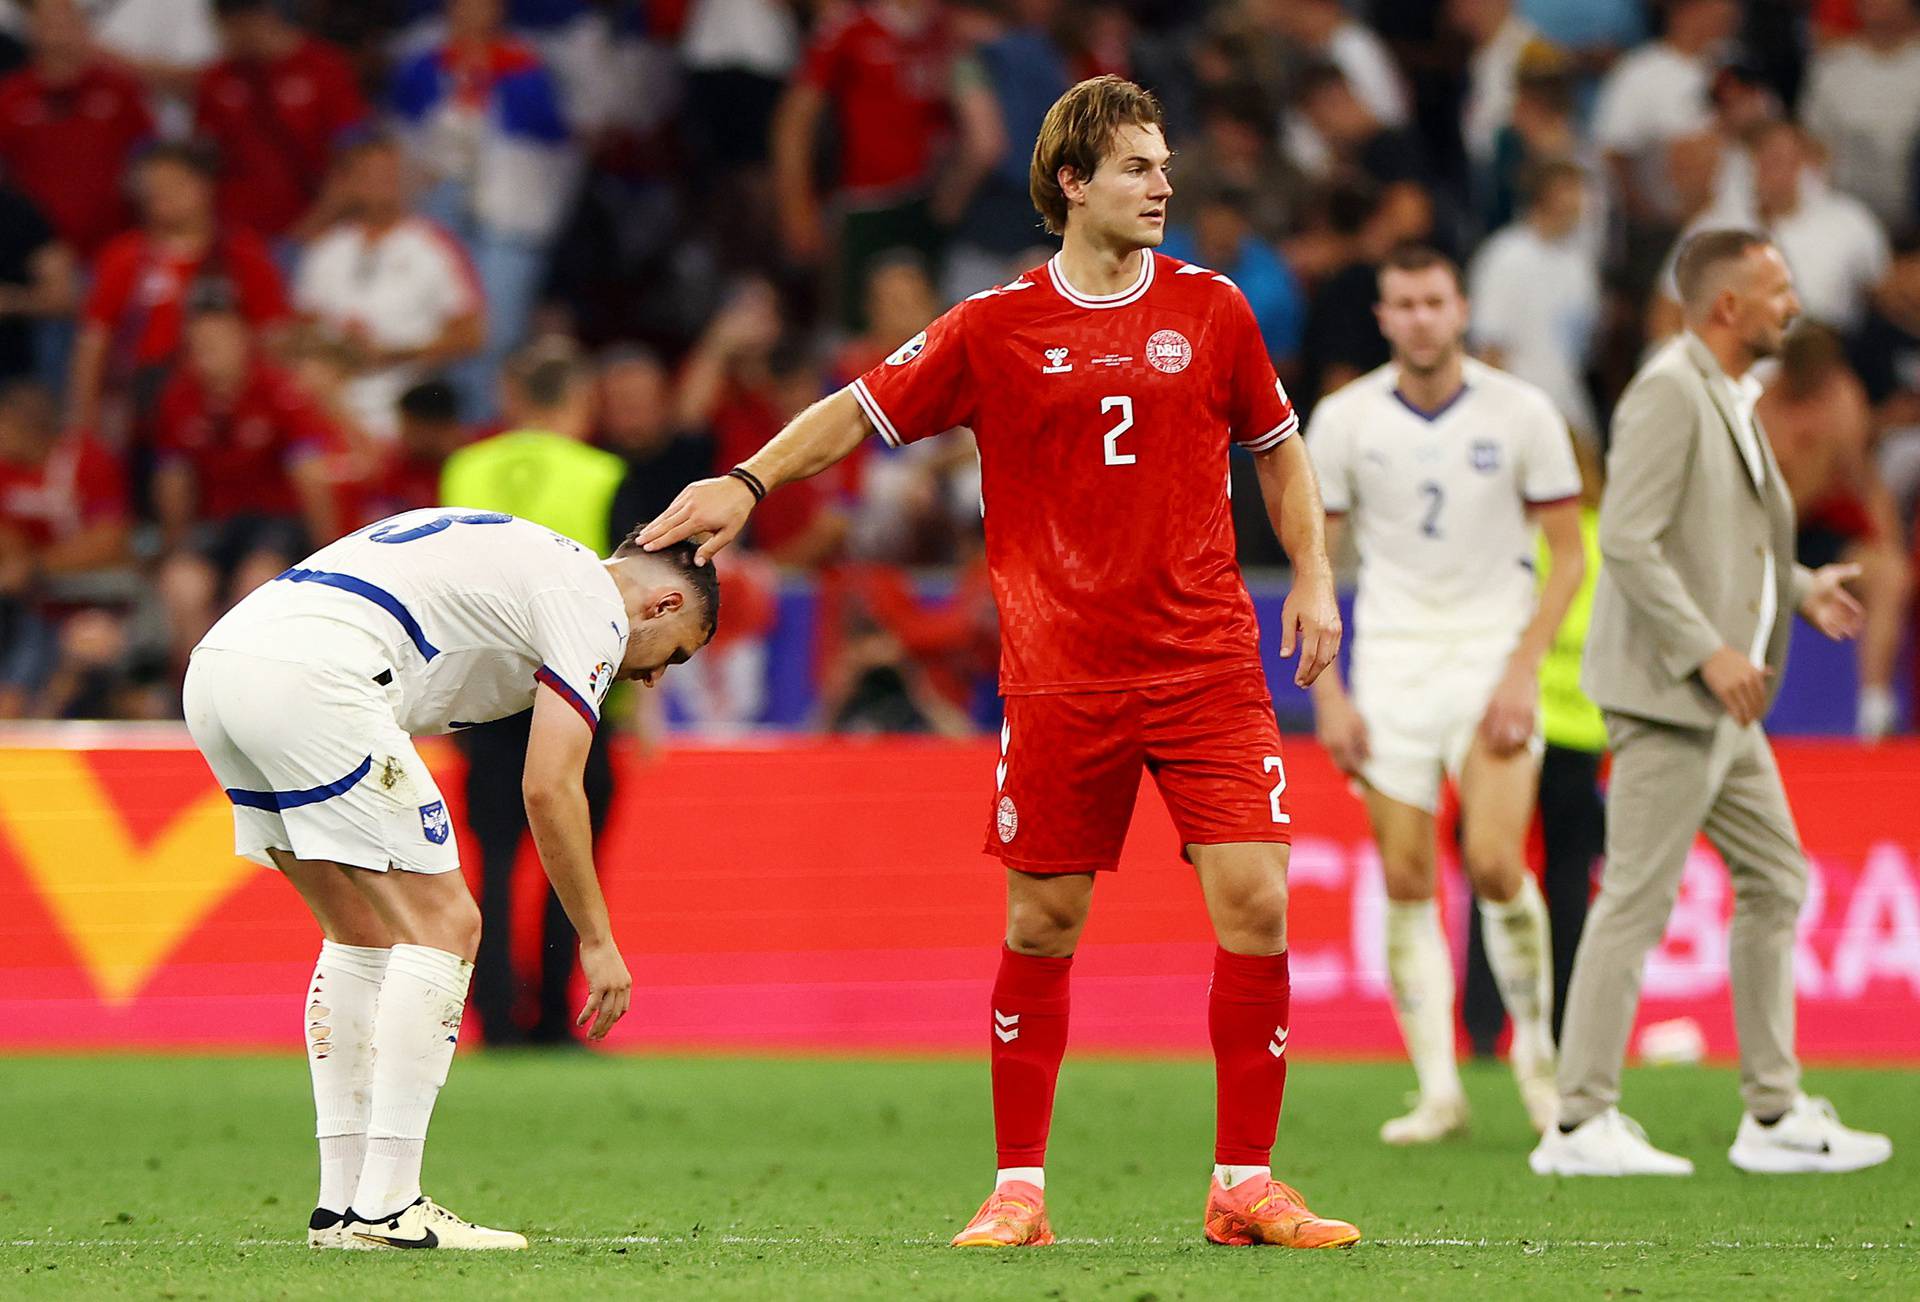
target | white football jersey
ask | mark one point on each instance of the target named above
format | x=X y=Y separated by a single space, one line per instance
x=1439 y=500
x=467 y=610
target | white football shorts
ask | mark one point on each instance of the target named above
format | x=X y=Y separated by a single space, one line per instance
x=315 y=764
x=1422 y=700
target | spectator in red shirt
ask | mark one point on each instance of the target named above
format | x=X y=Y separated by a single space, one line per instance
x=63 y=513
x=131 y=325
x=241 y=484
x=742 y=382
x=881 y=68
x=69 y=122
x=274 y=108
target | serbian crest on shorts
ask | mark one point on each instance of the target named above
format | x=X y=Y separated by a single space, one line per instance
x=1006 y=819
x=1169 y=351
x=1485 y=456
x=435 y=823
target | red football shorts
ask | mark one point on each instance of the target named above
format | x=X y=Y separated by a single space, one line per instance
x=1070 y=768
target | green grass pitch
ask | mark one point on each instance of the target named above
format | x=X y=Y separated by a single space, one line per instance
x=776 y=1178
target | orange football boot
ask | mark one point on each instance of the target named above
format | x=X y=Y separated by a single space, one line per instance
x=1263 y=1210
x=1013 y=1216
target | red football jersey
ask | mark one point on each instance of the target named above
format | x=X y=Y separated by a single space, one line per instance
x=242 y=455
x=67 y=148
x=1103 y=425
x=137 y=287
x=80 y=483
x=275 y=126
x=888 y=88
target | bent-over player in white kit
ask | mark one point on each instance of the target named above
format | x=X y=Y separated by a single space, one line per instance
x=1445 y=466
x=305 y=698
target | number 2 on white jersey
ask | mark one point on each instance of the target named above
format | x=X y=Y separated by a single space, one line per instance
x=1272 y=764
x=1436 y=500
x=1115 y=457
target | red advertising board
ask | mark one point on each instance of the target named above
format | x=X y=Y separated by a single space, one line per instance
x=831 y=895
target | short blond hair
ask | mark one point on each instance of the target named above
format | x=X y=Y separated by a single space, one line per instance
x=1077 y=133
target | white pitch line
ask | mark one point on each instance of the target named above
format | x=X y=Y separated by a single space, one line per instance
x=756 y=1241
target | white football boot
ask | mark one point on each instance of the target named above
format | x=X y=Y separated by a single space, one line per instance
x=1808 y=1138
x=327 y=1229
x=425 y=1224
x=1604 y=1144
x=1431 y=1121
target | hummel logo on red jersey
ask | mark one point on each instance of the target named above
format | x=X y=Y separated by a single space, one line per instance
x=1278 y=1046
x=1057 y=363
x=1006 y=1026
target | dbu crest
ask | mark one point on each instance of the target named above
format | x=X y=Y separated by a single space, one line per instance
x=1485 y=456
x=435 y=823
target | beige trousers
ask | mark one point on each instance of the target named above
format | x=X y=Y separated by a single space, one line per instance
x=1669 y=784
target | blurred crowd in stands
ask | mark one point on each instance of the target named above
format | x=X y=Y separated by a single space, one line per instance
x=265 y=264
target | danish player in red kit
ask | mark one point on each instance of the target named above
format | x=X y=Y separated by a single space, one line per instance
x=1104 y=389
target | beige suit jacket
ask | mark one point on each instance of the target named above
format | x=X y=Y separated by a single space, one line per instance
x=1684 y=533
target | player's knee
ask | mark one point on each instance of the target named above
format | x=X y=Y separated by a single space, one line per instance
x=1253 y=918
x=1889 y=580
x=1408 y=876
x=456 y=928
x=1773 y=899
x=1493 y=869
x=1044 y=927
x=362 y=932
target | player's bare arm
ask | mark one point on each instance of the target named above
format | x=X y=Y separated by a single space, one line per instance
x=1337 y=724
x=557 y=813
x=817 y=438
x=1310 y=618
x=1507 y=725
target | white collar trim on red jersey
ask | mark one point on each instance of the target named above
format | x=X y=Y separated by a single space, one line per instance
x=1128 y=295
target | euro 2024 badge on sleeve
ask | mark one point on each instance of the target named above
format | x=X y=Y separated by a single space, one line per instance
x=435 y=823
x=908 y=351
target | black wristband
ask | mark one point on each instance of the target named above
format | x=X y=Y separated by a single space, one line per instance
x=751 y=480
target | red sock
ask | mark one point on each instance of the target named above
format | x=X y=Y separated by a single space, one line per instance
x=1247 y=1021
x=1027 y=1039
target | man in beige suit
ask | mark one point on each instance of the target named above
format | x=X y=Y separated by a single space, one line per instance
x=1687 y=648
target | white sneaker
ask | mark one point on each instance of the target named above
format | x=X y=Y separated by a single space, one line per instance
x=327 y=1229
x=426 y=1224
x=1808 y=1138
x=1431 y=1121
x=1606 y=1144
